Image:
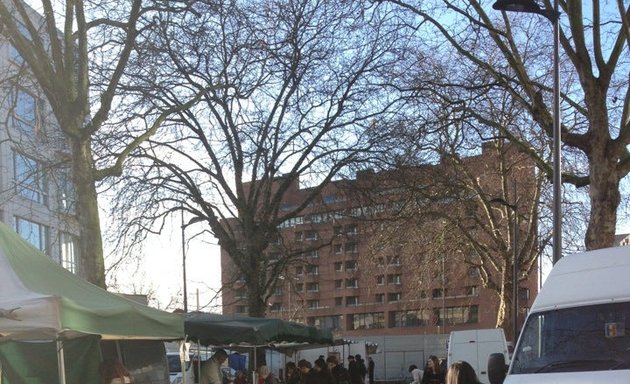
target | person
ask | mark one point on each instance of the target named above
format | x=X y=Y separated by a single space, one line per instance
x=265 y=376
x=370 y=370
x=432 y=373
x=306 y=373
x=291 y=373
x=416 y=374
x=362 y=367
x=211 y=369
x=461 y=372
x=354 y=371
x=339 y=373
x=114 y=372
x=322 y=373
x=240 y=378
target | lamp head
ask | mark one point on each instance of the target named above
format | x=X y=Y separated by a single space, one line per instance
x=525 y=6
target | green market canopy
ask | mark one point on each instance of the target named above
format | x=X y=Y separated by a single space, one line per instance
x=41 y=300
x=54 y=318
x=233 y=330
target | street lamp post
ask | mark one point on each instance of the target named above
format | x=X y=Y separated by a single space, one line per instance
x=515 y=258
x=553 y=15
x=183 y=227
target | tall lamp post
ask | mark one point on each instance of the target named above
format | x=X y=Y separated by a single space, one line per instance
x=553 y=15
x=514 y=209
x=184 y=225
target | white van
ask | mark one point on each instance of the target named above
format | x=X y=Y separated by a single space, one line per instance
x=475 y=347
x=578 y=329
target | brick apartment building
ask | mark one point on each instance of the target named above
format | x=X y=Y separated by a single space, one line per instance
x=352 y=277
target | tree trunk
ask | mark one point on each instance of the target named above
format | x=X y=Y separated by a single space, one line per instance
x=604 y=180
x=91 y=265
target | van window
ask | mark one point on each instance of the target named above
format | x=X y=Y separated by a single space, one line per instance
x=588 y=338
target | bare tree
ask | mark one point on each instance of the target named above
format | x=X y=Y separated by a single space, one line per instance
x=457 y=216
x=292 y=85
x=77 y=52
x=510 y=54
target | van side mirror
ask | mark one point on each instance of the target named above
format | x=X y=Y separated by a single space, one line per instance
x=496 y=368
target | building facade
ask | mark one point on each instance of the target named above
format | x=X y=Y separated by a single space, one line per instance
x=361 y=272
x=36 y=191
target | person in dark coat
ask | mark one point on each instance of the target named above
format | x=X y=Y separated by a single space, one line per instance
x=432 y=372
x=307 y=376
x=322 y=373
x=339 y=373
x=362 y=367
x=354 y=371
x=370 y=370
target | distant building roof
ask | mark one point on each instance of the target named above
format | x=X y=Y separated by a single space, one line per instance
x=622 y=239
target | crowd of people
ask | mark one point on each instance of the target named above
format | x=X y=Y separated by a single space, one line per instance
x=331 y=371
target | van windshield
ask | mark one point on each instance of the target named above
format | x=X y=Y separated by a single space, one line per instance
x=588 y=338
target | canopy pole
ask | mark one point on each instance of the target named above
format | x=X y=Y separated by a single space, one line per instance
x=61 y=365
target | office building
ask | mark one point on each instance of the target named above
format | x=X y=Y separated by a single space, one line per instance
x=362 y=273
x=36 y=192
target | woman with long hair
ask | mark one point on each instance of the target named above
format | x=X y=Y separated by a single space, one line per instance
x=114 y=372
x=432 y=372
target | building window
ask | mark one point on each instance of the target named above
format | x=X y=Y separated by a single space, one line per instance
x=312 y=287
x=413 y=318
x=277 y=291
x=331 y=322
x=34 y=233
x=69 y=258
x=338 y=284
x=299 y=236
x=394 y=261
x=393 y=279
x=312 y=304
x=373 y=320
x=299 y=287
x=241 y=294
x=380 y=280
x=394 y=297
x=66 y=191
x=379 y=298
x=241 y=309
x=311 y=235
x=25 y=112
x=30 y=179
x=312 y=269
x=338 y=248
x=299 y=270
x=338 y=230
x=15 y=56
x=313 y=253
x=438 y=293
x=276 y=307
x=352 y=301
x=352 y=248
x=339 y=266
x=338 y=301
x=352 y=230
x=472 y=290
x=458 y=315
x=380 y=262
x=523 y=294
x=352 y=283
x=351 y=265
